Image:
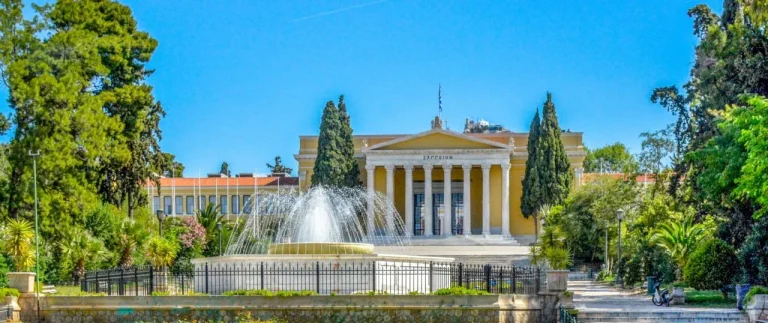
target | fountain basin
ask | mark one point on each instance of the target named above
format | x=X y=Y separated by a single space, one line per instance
x=320 y=248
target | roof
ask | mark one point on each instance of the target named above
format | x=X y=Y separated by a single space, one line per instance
x=224 y=181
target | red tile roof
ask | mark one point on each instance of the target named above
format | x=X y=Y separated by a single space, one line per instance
x=222 y=181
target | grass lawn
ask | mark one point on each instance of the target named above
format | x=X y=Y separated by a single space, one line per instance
x=708 y=298
x=67 y=290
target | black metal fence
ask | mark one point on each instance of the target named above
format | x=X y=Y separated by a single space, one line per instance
x=566 y=316
x=324 y=278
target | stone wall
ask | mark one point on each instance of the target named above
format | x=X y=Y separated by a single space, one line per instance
x=396 y=308
x=757 y=309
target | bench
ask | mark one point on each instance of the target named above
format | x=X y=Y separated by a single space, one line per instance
x=49 y=289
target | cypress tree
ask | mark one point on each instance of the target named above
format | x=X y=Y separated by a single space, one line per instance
x=352 y=175
x=529 y=201
x=554 y=169
x=331 y=164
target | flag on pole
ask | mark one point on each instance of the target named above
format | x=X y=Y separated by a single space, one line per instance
x=440 y=97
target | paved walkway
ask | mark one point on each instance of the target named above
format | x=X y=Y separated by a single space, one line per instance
x=593 y=297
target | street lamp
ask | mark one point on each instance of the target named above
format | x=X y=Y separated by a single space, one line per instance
x=620 y=216
x=37 y=233
x=160 y=218
x=219 y=226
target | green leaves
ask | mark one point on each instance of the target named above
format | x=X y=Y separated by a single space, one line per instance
x=711 y=266
x=17 y=241
x=680 y=238
x=161 y=252
x=336 y=164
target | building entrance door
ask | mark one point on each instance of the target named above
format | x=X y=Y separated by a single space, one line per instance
x=418 y=214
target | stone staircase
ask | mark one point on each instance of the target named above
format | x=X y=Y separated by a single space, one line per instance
x=473 y=240
x=667 y=316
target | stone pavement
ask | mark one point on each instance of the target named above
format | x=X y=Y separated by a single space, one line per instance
x=601 y=303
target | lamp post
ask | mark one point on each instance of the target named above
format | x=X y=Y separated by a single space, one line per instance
x=37 y=233
x=620 y=216
x=219 y=226
x=160 y=218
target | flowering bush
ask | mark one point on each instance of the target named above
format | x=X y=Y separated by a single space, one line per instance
x=194 y=235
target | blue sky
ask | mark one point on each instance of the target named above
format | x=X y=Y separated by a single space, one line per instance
x=241 y=80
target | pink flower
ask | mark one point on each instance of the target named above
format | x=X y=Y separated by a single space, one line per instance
x=194 y=233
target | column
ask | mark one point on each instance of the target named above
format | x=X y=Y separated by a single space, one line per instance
x=370 y=170
x=467 y=201
x=505 y=199
x=447 y=209
x=408 y=200
x=427 y=200
x=486 y=199
x=390 y=216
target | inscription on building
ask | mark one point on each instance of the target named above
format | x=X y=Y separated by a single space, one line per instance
x=437 y=157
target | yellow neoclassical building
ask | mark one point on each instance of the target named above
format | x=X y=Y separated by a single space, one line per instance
x=479 y=175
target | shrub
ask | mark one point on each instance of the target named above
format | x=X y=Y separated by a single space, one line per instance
x=372 y=293
x=712 y=266
x=269 y=293
x=9 y=292
x=459 y=291
x=753 y=254
x=756 y=290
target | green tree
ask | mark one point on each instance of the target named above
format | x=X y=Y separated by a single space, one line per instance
x=331 y=163
x=613 y=158
x=161 y=252
x=554 y=174
x=711 y=266
x=83 y=250
x=17 y=242
x=278 y=167
x=172 y=168
x=657 y=148
x=680 y=238
x=531 y=200
x=352 y=175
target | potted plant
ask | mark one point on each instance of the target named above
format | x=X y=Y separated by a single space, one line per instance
x=566 y=299
x=16 y=240
x=551 y=252
x=678 y=293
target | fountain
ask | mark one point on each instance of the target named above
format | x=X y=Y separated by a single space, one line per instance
x=325 y=239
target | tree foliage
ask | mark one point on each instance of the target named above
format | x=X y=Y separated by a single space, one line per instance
x=711 y=266
x=680 y=238
x=335 y=165
x=18 y=242
x=554 y=172
x=530 y=199
x=613 y=158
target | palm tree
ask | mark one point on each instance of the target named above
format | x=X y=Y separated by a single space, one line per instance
x=16 y=240
x=208 y=217
x=83 y=249
x=161 y=252
x=680 y=239
x=132 y=235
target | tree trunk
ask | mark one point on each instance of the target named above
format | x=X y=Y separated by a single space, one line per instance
x=536 y=228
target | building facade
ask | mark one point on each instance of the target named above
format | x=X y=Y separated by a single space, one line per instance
x=233 y=195
x=447 y=183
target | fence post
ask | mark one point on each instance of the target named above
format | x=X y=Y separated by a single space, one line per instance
x=514 y=279
x=431 y=278
x=262 y=276
x=109 y=282
x=136 y=280
x=97 y=282
x=206 y=278
x=461 y=274
x=84 y=282
x=317 y=276
x=501 y=280
x=151 y=281
x=373 y=271
x=121 y=286
x=488 y=278
x=538 y=279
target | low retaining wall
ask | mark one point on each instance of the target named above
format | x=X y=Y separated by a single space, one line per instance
x=757 y=309
x=540 y=308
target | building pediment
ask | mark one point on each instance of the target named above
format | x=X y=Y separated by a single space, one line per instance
x=437 y=139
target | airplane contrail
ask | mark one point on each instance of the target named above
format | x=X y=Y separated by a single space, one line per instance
x=339 y=10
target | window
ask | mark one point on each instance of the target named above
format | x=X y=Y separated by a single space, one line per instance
x=155 y=204
x=179 y=205
x=235 y=204
x=167 y=205
x=223 y=204
x=212 y=200
x=201 y=201
x=190 y=204
x=247 y=204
